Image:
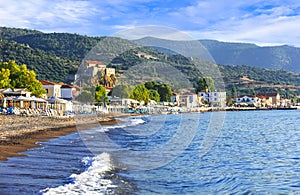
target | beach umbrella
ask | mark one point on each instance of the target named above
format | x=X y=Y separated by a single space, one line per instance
x=57 y=100
x=22 y=99
x=35 y=99
x=36 y=102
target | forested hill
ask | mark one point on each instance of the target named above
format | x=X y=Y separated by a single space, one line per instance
x=51 y=55
x=276 y=57
x=54 y=55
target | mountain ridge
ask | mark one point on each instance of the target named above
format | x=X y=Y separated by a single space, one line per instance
x=55 y=55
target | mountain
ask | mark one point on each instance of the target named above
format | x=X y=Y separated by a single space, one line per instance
x=276 y=57
x=46 y=65
x=225 y=53
x=55 y=55
x=51 y=55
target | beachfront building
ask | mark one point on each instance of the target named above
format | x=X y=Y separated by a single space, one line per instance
x=285 y=102
x=273 y=97
x=188 y=100
x=248 y=101
x=175 y=98
x=265 y=101
x=52 y=89
x=215 y=98
x=69 y=92
x=15 y=92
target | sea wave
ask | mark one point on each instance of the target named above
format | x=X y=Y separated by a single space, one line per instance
x=96 y=179
x=91 y=181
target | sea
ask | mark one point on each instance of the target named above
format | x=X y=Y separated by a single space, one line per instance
x=245 y=152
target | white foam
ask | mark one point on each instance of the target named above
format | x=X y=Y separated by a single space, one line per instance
x=128 y=122
x=90 y=181
x=136 y=121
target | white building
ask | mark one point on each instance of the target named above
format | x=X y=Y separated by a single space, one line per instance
x=69 y=92
x=189 y=100
x=248 y=101
x=52 y=88
x=214 y=98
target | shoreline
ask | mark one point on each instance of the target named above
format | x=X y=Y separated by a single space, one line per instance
x=19 y=133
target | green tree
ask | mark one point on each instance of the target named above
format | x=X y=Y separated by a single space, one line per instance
x=100 y=94
x=4 y=78
x=151 y=85
x=85 y=97
x=20 y=77
x=233 y=92
x=229 y=101
x=210 y=83
x=202 y=85
x=154 y=95
x=165 y=92
x=205 y=84
x=122 y=91
x=141 y=93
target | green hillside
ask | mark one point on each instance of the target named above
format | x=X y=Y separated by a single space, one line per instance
x=276 y=57
x=54 y=55
x=46 y=65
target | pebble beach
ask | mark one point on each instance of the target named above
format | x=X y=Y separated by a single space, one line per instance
x=19 y=133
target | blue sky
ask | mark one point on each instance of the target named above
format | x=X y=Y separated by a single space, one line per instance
x=273 y=22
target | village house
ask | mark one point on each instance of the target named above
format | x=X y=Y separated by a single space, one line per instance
x=273 y=97
x=175 y=98
x=214 y=98
x=69 y=92
x=264 y=101
x=284 y=102
x=60 y=90
x=188 y=100
x=52 y=89
x=248 y=101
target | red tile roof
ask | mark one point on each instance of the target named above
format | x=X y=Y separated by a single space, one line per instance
x=47 y=82
x=95 y=62
x=70 y=86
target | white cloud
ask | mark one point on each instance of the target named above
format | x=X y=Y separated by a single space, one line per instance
x=257 y=21
x=44 y=14
x=241 y=21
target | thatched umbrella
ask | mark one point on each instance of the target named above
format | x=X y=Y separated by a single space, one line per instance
x=35 y=102
x=59 y=104
x=22 y=99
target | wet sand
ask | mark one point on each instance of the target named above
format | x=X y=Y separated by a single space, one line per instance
x=18 y=134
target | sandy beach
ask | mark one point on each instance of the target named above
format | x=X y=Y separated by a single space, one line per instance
x=18 y=133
